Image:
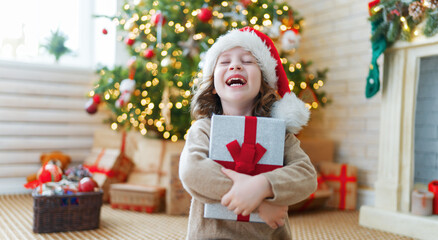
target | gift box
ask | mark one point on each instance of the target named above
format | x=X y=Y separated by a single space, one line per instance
x=156 y=164
x=177 y=199
x=249 y=145
x=108 y=166
x=140 y=198
x=152 y=160
x=342 y=179
x=316 y=200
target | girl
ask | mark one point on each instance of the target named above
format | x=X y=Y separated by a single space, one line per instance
x=243 y=76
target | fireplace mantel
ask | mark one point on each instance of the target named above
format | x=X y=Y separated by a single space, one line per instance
x=395 y=175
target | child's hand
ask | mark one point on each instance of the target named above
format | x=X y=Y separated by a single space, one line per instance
x=246 y=193
x=273 y=215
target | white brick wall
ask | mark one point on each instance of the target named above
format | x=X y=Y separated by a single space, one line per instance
x=336 y=35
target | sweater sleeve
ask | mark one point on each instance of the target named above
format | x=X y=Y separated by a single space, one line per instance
x=297 y=179
x=201 y=176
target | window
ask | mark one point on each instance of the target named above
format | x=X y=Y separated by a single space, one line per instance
x=28 y=24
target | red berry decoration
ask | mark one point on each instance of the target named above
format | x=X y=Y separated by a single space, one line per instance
x=204 y=15
x=104 y=31
x=129 y=41
x=87 y=184
x=148 y=53
x=96 y=98
x=91 y=106
x=157 y=17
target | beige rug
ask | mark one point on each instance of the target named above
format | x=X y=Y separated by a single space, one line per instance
x=16 y=221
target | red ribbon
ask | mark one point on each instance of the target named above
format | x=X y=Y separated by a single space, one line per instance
x=110 y=173
x=246 y=157
x=95 y=167
x=343 y=179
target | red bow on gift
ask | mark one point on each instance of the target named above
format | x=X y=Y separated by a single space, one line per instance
x=247 y=156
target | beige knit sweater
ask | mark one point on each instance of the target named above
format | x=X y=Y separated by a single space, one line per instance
x=205 y=182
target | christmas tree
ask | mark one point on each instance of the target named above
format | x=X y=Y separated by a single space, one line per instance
x=167 y=40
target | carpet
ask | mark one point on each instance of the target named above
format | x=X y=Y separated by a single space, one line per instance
x=16 y=221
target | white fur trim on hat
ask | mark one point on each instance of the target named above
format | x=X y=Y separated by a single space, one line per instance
x=248 y=41
x=293 y=111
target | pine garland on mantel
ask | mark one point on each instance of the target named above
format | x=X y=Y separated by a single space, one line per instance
x=393 y=20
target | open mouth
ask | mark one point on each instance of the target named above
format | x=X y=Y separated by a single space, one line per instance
x=235 y=81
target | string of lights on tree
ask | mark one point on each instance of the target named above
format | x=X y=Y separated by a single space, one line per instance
x=167 y=40
x=393 y=20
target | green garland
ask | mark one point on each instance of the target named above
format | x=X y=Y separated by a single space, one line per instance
x=393 y=20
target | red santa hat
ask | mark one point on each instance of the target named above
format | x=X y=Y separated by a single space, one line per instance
x=289 y=108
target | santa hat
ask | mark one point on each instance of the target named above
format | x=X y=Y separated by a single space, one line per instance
x=289 y=108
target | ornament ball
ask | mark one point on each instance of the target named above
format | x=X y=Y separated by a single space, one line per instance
x=148 y=53
x=91 y=106
x=96 y=98
x=129 y=41
x=204 y=14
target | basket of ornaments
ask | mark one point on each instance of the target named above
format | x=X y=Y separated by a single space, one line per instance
x=62 y=202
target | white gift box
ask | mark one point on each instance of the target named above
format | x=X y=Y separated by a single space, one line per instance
x=269 y=133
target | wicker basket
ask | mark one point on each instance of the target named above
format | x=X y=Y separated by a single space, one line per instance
x=80 y=211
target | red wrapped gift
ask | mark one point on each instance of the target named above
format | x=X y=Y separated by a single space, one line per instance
x=342 y=179
x=249 y=145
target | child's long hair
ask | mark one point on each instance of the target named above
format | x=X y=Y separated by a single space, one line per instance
x=204 y=103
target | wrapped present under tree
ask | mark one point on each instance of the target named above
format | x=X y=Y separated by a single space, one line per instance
x=136 y=197
x=342 y=178
x=109 y=165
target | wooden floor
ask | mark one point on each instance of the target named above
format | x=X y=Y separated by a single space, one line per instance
x=16 y=220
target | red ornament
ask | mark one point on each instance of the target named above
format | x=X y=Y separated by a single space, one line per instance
x=245 y=3
x=148 y=53
x=204 y=15
x=87 y=184
x=96 y=98
x=91 y=106
x=129 y=41
x=104 y=31
x=50 y=172
x=157 y=17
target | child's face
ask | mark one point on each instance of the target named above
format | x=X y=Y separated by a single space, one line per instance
x=237 y=77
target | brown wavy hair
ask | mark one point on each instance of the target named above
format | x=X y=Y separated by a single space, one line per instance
x=204 y=103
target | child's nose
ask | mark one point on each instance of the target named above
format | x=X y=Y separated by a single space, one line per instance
x=235 y=66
